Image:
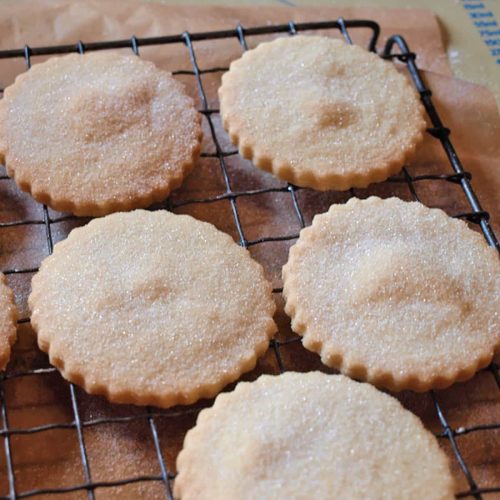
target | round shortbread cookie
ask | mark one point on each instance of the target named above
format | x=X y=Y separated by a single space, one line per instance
x=395 y=293
x=97 y=133
x=320 y=113
x=8 y=317
x=310 y=435
x=151 y=308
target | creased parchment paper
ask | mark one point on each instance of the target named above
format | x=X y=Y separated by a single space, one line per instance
x=118 y=451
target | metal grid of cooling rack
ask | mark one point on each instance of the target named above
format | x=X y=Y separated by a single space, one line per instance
x=459 y=176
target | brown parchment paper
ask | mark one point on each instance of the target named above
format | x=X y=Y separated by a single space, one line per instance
x=118 y=451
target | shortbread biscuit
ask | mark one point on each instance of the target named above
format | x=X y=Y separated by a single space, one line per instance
x=319 y=113
x=395 y=293
x=151 y=308
x=97 y=133
x=310 y=435
x=8 y=317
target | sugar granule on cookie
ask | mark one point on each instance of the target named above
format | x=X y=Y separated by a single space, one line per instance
x=98 y=133
x=395 y=293
x=151 y=308
x=8 y=317
x=319 y=113
x=310 y=435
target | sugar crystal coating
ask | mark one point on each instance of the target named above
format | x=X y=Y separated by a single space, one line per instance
x=395 y=293
x=310 y=435
x=98 y=132
x=151 y=308
x=320 y=113
x=8 y=316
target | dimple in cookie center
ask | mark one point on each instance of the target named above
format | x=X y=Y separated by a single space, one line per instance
x=338 y=115
x=378 y=275
x=386 y=275
x=114 y=111
x=323 y=113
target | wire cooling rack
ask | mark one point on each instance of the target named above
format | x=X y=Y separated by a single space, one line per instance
x=395 y=48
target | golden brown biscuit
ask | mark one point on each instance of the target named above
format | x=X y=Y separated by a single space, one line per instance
x=310 y=435
x=97 y=133
x=8 y=317
x=395 y=293
x=320 y=113
x=151 y=308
